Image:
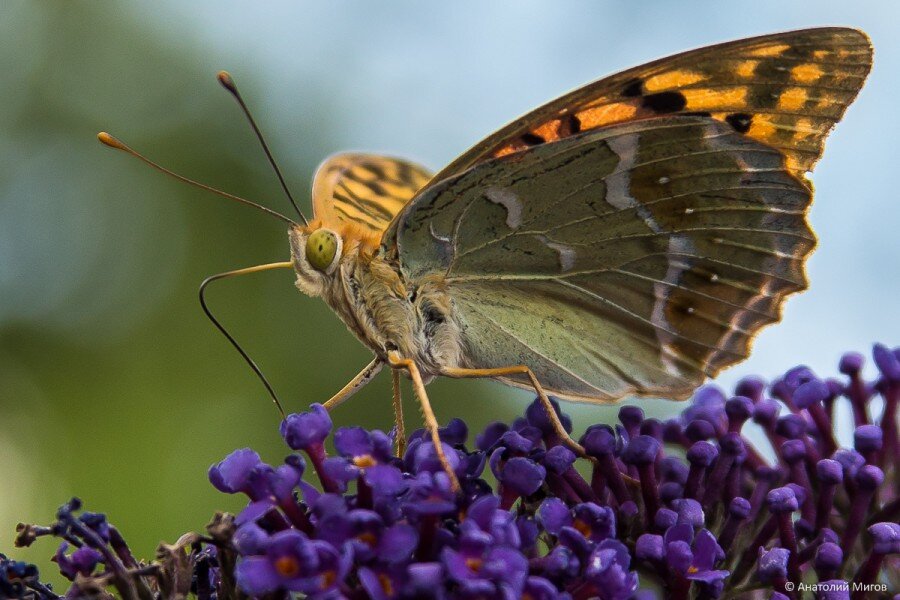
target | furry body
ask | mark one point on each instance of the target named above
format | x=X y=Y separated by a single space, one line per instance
x=415 y=318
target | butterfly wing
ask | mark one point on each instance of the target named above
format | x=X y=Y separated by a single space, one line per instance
x=364 y=191
x=786 y=90
x=636 y=258
x=634 y=235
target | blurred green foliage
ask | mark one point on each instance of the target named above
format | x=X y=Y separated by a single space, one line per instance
x=113 y=386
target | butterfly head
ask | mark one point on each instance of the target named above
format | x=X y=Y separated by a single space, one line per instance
x=323 y=250
x=316 y=253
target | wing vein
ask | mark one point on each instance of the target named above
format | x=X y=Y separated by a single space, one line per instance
x=609 y=302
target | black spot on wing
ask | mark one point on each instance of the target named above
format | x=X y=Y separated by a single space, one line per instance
x=532 y=139
x=568 y=125
x=665 y=102
x=633 y=89
x=740 y=121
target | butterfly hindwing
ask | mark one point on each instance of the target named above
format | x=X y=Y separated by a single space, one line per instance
x=786 y=90
x=639 y=257
x=365 y=190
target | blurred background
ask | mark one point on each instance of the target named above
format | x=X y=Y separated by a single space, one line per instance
x=115 y=388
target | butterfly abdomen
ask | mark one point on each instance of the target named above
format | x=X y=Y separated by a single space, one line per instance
x=438 y=330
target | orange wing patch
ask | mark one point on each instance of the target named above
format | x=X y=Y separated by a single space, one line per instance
x=746 y=68
x=786 y=90
x=673 y=79
x=806 y=73
x=769 y=50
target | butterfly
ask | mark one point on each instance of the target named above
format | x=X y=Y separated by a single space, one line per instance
x=628 y=238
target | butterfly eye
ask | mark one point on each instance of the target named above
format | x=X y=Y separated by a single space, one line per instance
x=321 y=249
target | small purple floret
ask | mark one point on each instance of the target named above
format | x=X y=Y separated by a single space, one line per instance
x=829 y=557
x=521 y=475
x=809 y=393
x=766 y=412
x=650 y=547
x=793 y=451
x=641 y=450
x=739 y=507
x=303 y=431
x=869 y=477
x=599 y=440
x=867 y=438
x=739 y=409
x=887 y=362
x=558 y=459
x=791 y=426
x=885 y=538
x=233 y=473
x=829 y=471
x=851 y=363
x=665 y=518
x=702 y=453
x=751 y=386
x=689 y=511
x=782 y=499
x=82 y=561
x=537 y=417
x=772 y=564
x=631 y=417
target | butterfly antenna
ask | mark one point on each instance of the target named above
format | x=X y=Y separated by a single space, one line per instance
x=228 y=83
x=117 y=144
x=228 y=336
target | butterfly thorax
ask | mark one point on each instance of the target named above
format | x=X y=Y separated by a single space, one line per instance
x=381 y=309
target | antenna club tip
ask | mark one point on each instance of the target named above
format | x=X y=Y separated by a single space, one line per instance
x=108 y=140
x=226 y=80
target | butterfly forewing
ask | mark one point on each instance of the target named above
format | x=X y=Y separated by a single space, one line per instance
x=638 y=257
x=786 y=90
x=365 y=190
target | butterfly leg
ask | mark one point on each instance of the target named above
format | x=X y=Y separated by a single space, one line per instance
x=558 y=427
x=398 y=413
x=430 y=421
x=362 y=378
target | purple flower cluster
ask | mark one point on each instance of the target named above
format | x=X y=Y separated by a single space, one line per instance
x=20 y=580
x=93 y=554
x=403 y=532
x=634 y=515
x=686 y=508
